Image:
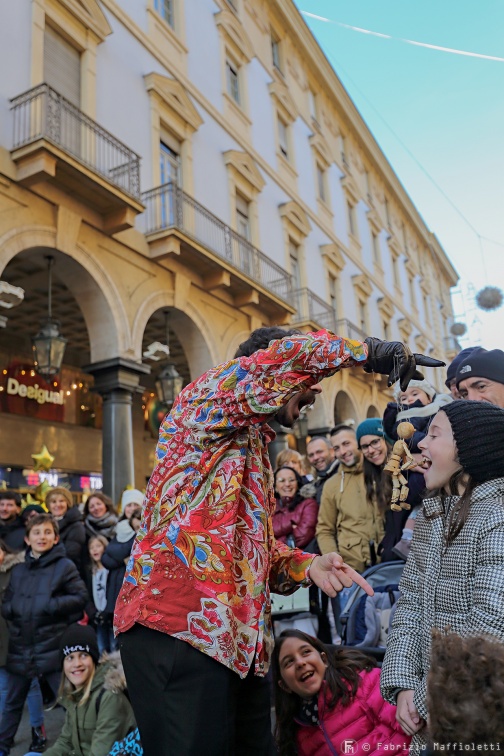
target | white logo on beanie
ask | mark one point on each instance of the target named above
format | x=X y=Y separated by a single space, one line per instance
x=72 y=649
x=465 y=369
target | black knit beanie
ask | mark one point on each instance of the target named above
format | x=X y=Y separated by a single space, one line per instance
x=79 y=638
x=452 y=368
x=482 y=364
x=478 y=430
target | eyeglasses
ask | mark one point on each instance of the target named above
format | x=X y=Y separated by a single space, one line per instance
x=372 y=444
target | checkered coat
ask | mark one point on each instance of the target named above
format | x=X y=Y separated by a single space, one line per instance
x=458 y=586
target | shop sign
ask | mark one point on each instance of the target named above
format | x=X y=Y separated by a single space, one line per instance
x=34 y=392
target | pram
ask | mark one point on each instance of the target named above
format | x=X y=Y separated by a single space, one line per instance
x=363 y=618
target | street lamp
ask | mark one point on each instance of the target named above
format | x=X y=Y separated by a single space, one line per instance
x=169 y=383
x=48 y=344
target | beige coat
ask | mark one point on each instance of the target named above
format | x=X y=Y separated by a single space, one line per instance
x=347 y=522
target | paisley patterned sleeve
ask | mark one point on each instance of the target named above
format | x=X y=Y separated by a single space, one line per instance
x=249 y=389
x=289 y=568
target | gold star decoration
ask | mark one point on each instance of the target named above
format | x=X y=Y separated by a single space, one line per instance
x=43 y=460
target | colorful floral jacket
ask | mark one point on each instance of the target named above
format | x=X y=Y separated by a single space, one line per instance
x=205 y=557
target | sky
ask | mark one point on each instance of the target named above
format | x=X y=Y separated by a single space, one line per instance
x=441 y=111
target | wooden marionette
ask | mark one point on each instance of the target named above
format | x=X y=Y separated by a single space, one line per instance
x=400 y=460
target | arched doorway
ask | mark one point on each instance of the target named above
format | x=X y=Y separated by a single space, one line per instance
x=372 y=411
x=344 y=409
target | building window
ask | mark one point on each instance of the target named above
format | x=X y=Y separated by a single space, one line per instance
x=243 y=216
x=295 y=267
x=333 y=293
x=352 y=226
x=62 y=67
x=283 y=138
x=386 y=330
x=363 y=316
x=376 y=248
x=275 y=51
x=165 y=10
x=169 y=165
x=321 y=183
x=426 y=306
x=411 y=286
x=387 y=213
x=233 y=80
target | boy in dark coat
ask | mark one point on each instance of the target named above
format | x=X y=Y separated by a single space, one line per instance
x=45 y=594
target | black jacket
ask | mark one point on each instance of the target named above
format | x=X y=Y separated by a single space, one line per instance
x=43 y=597
x=113 y=560
x=13 y=533
x=73 y=535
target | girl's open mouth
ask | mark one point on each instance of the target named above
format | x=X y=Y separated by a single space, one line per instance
x=306 y=676
x=425 y=463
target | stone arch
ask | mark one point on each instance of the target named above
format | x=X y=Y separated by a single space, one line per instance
x=190 y=328
x=91 y=286
x=372 y=411
x=344 y=409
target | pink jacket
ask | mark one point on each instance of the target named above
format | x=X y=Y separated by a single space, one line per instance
x=303 y=516
x=367 y=726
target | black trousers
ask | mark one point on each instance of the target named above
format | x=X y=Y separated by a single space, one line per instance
x=188 y=704
x=17 y=691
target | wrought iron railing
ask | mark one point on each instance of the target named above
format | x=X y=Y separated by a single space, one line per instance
x=168 y=206
x=349 y=330
x=310 y=307
x=42 y=113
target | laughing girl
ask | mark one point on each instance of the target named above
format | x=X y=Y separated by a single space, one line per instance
x=326 y=699
x=454 y=577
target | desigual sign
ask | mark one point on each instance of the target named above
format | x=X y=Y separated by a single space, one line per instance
x=37 y=394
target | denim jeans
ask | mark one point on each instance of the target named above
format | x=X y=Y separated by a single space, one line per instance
x=105 y=638
x=34 y=699
x=18 y=687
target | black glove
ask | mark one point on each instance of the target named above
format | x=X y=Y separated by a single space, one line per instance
x=397 y=361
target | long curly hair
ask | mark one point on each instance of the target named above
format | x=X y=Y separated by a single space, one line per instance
x=378 y=484
x=342 y=678
x=465 y=690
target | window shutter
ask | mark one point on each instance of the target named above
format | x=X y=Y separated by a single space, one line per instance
x=62 y=66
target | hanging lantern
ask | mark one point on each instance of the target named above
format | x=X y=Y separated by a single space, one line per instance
x=490 y=298
x=49 y=345
x=458 y=329
x=169 y=383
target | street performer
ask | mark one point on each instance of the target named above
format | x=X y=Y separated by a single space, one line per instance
x=194 y=613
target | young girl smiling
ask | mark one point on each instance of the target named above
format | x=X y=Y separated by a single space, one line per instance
x=454 y=576
x=326 y=698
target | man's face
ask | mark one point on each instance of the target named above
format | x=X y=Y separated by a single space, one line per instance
x=482 y=390
x=289 y=413
x=319 y=454
x=9 y=510
x=454 y=392
x=345 y=448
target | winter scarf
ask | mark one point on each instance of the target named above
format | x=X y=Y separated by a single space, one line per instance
x=104 y=526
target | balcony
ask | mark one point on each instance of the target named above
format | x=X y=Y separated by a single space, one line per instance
x=312 y=313
x=55 y=143
x=175 y=224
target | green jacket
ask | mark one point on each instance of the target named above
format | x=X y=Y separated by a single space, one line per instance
x=88 y=733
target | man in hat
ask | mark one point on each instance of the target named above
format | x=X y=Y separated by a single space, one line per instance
x=451 y=371
x=480 y=377
x=194 y=612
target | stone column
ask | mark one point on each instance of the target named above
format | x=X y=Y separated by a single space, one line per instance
x=117 y=380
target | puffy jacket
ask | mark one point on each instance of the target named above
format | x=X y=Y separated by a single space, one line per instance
x=458 y=586
x=12 y=533
x=43 y=597
x=107 y=716
x=347 y=521
x=114 y=560
x=73 y=535
x=10 y=560
x=369 y=721
x=298 y=523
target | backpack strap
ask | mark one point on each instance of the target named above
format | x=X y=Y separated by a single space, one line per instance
x=98 y=701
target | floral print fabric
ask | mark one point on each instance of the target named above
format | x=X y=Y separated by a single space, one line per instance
x=205 y=557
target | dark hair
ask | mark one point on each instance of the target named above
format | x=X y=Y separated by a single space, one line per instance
x=11 y=496
x=101 y=496
x=297 y=497
x=341 y=427
x=342 y=678
x=135 y=515
x=320 y=438
x=460 y=510
x=41 y=519
x=5 y=548
x=378 y=484
x=261 y=339
x=465 y=690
